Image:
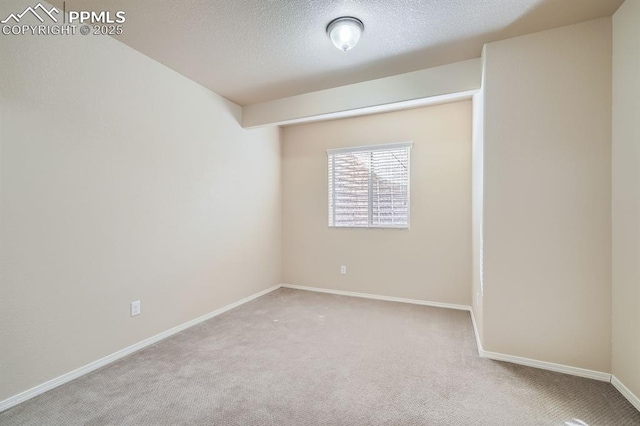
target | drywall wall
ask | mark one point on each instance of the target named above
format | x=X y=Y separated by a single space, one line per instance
x=547 y=192
x=120 y=180
x=626 y=196
x=432 y=82
x=477 y=197
x=432 y=260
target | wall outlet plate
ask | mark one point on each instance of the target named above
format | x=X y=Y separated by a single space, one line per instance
x=135 y=308
x=343 y=270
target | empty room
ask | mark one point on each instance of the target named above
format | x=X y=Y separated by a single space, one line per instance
x=293 y=212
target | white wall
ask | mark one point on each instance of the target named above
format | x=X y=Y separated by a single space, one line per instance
x=432 y=260
x=626 y=196
x=547 y=192
x=120 y=180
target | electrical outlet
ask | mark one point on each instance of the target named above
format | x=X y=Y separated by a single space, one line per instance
x=343 y=270
x=135 y=308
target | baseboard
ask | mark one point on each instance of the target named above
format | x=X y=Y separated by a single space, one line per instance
x=65 y=378
x=544 y=365
x=631 y=397
x=378 y=297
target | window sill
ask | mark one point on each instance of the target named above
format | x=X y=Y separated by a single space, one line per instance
x=395 y=228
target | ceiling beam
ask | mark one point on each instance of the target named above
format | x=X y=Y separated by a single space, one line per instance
x=433 y=85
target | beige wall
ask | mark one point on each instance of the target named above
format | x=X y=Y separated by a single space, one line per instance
x=547 y=192
x=432 y=260
x=626 y=195
x=120 y=180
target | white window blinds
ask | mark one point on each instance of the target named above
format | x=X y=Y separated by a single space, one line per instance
x=369 y=186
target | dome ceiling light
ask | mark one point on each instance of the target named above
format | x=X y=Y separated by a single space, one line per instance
x=345 y=32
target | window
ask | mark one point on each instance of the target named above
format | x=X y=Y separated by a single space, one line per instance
x=369 y=186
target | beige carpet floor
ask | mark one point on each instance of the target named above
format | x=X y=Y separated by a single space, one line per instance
x=299 y=358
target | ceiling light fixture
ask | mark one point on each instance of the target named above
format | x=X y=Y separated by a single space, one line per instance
x=345 y=32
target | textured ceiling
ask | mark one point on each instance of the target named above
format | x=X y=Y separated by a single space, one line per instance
x=255 y=50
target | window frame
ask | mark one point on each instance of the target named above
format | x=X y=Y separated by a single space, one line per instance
x=367 y=148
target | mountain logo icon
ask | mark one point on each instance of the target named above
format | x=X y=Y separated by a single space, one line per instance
x=34 y=11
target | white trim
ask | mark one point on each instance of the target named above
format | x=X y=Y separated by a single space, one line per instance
x=543 y=365
x=67 y=377
x=379 y=147
x=476 y=332
x=626 y=392
x=377 y=297
x=409 y=188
